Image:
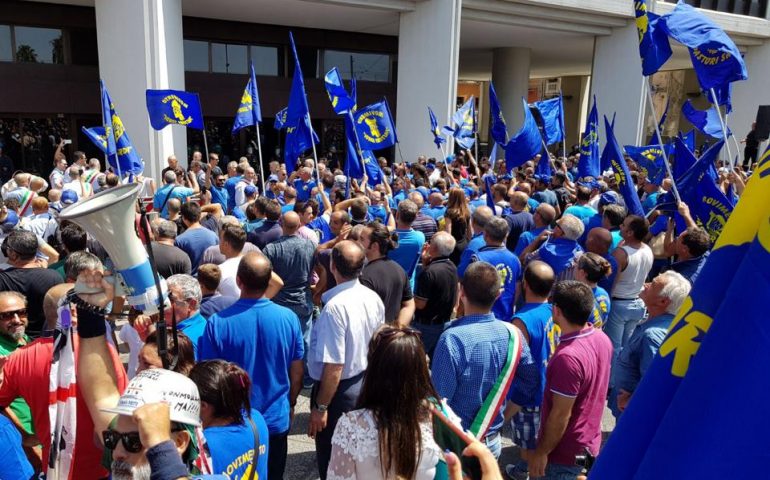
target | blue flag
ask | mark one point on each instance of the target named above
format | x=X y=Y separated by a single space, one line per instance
x=342 y=102
x=299 y=132
x=619 y=168
x=434 y=130
x=526 y=143
x=716 y=59
x=654 y=47
x=489 y=181
x=249 y=112
x=353 y=167
x=464 y=121
x=375 y=127
x=664 y=428
x=128 y=160
x=707 y=121
x=589 y=163
x=493 y=156
x=543 y=167
x=552 y=112
x=650 y=161
x=689 y=139
x=97 y=137
x=107 y=119
x=174 y=107
x=497 y=128
x=280 y=119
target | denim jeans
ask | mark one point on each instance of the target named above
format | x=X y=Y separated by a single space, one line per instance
x=554 y=471
x=430 y=335
x=624 y=316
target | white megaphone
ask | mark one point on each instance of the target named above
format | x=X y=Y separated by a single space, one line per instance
x=109 y=217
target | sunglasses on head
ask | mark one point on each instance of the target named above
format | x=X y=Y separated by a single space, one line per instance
x=6 y=316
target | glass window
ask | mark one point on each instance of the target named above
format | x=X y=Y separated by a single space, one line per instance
x=5 y=44
x=374 y=67
x=196 y=56
x=227 y=58
x=83 y=49
x=38 y=45
x=265 y=60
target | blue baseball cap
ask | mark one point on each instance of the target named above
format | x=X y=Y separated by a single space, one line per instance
x=273 y=178
x=610 y=197
x=68 y=197
x=431 y=166
x=11 y=220
x=250 y=190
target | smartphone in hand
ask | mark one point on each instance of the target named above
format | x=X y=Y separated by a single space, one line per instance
x=449 y=436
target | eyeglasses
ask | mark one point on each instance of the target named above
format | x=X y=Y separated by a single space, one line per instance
x=130 y=440
x=7 y=316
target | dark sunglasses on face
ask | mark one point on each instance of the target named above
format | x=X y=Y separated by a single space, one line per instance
x=7 y=316
x=130 y=440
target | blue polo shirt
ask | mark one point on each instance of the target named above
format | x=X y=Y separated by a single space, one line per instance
x=304 y=189
x=508 y=267
x=230 y=184
x=469 y=357
x=264 y=339
x=407 y=254
x=193 y=327
x=537 y=318
x=526 y=239
x=221 y=196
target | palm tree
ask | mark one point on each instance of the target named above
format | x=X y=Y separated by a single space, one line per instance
x=25 y=53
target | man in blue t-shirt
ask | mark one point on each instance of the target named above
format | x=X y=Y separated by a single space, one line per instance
x=410 y=241
x=543 y=218
x=235 y=172
x=197 y=238
x=581 y=209
x=216 y=186
x=506 y=264
x=265 y=340
x=304 y=184
x=536 y=325
x=479 y=219
x=170 y=190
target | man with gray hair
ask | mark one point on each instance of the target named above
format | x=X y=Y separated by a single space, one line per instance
x=663 y=297
x=171 y=190
x=184 y=294
x=479 y=219
x=505 y=262
x=169 y=259
x=214 y=255
x=422 y=222
x=436 y=292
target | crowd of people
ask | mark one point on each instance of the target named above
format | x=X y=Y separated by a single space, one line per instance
x=433 y=293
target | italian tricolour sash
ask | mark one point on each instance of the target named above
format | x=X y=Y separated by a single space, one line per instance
x=495 y=398
x=26 y=202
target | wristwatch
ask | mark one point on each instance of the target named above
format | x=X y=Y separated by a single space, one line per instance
x=321 y=407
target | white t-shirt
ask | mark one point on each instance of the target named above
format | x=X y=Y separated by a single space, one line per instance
x=227 y=286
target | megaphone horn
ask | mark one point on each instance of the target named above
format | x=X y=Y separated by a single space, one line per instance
x=109 y=217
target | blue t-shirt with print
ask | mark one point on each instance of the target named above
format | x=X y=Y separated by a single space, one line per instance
x=321 y=226
x=539 y=322
x=304 y=189
x=601 y=307
x=232 y=448
x=508 y=267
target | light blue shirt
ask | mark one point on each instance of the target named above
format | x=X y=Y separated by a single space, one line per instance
x=407 y=254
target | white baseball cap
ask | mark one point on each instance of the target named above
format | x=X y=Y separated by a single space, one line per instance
x=158 y=385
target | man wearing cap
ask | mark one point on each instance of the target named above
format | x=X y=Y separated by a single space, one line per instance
x=25 y=275
x=558 y=248
x=239 y=211
x=272 y=181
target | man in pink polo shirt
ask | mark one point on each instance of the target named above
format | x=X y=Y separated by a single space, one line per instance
x=576 y=385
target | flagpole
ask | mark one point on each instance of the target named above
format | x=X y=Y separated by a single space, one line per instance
x=315 y=155
x=259 y=148
x=660 y=140
x=724 y=127
x=205 y=142
x=476 y=146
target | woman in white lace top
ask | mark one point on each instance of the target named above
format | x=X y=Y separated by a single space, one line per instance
x=390 y=435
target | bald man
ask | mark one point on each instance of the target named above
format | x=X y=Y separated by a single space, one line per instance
x=519 y=220
x=292 y=257
x=599 y=241
x=261 y=336
x=436 y=210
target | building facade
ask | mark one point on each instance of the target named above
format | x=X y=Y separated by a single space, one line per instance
x=415 y=53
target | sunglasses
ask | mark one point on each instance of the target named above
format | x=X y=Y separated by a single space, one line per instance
x=130 y=440
x=7 y=316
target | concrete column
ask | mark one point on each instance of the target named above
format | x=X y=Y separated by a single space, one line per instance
x=617 y=82
x=750 y=94
x=574 y=91
x=154 y=59
x=428 y=52
x=510 y=74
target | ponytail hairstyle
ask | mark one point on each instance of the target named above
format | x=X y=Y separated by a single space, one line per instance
x=594 y=266
x=225 y=386
x=380 y=235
